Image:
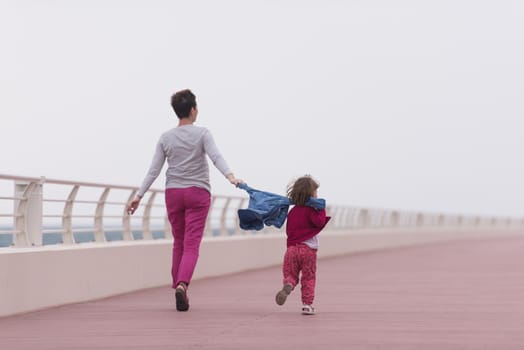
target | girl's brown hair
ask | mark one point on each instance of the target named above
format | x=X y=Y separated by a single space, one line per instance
x=302 y=189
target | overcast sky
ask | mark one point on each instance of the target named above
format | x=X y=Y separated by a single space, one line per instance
x=412 y=105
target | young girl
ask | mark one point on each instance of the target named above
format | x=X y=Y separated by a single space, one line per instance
x=303 y=225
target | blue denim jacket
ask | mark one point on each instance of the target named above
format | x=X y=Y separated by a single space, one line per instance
x=268 y=209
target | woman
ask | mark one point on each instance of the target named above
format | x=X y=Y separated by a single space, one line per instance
x=188 y=190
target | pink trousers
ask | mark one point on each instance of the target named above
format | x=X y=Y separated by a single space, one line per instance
x=300 y=259
x=187 y=210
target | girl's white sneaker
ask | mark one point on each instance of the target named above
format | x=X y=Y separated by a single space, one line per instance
x=308 y=310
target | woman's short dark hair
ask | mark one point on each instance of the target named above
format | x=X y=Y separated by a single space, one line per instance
x=302 y=189
x=182 y=102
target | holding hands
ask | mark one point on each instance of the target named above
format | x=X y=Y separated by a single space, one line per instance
x=133 y=205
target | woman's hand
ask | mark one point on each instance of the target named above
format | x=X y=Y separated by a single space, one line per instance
x=133 y=205
x=234 y=180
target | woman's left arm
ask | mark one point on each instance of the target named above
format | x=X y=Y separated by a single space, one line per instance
x=154 y=170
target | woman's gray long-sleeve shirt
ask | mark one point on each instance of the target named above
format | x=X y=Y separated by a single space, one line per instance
x=185 y=148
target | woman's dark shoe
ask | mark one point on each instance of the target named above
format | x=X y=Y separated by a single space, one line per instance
x=182 y=301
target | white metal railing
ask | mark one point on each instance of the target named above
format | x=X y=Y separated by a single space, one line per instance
x=68 y=212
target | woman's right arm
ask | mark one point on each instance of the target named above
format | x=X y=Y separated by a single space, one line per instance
x=231 y=177
x=218 y=161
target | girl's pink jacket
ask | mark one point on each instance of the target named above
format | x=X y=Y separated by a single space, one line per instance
x=304 y=222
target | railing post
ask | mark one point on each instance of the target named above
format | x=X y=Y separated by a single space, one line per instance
x=363 y=218
x=223 y=217
x=99 y=216
x=28 y=213
x=441 y=221
x=330 y=212
x=476 y=221
x=67 y=217
x=395 y=222
x=419 y=221
x=127 y=235
x=344 y=219
x=339 y=220
x=146 y=217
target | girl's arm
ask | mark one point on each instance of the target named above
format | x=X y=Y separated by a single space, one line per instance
x=318 y=217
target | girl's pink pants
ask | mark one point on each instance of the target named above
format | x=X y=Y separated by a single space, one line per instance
x=301 y=260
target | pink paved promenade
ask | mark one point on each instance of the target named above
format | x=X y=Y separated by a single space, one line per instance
x=456 y=295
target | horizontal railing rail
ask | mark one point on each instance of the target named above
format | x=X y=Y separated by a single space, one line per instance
x=37 y=210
